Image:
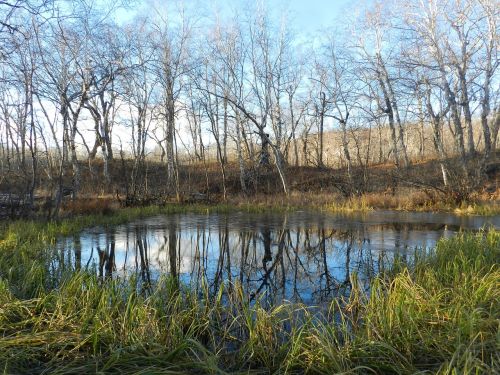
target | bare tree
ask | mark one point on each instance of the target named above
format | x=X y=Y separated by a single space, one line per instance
x=342 y=93
x=424 y=22
x=488 y=65
x=171 y=64
x=375 y=63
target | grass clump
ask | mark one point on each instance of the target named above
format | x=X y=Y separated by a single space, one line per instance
x=411 y=201
x=441 y=315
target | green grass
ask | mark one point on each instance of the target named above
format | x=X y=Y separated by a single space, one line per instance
x=442 y=316
x=477 y=209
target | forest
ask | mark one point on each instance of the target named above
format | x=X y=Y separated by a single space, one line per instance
x=181 y=102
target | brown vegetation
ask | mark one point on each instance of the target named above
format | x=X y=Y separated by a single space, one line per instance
x=380 y=186
x=85 y=206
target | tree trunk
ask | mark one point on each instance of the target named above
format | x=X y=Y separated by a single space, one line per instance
x=495 y=128
x=281 y=169
x=467 y=113
x=390 y=115
x=264 y=152
x=438 y=142
x=485 y=112
x=321 y=129
x=345 y=147
x=241 y=162
x=455 y=116
x=170 y=147
x=391 y=97
x=224 y=138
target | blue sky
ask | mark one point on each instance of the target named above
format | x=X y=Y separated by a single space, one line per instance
x=311 y=15
x=308 y=16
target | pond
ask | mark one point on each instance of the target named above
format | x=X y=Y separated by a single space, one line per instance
x=300 y=257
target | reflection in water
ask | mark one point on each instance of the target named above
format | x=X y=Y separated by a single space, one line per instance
x=300 y=257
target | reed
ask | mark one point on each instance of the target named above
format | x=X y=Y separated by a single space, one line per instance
x=440 y=315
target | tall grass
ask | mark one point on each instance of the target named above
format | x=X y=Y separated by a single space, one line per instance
x=416 y=201
x=442 y=315
x=405 y=201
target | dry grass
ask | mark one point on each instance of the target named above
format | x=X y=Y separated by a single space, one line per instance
x=406 y=200
x=296 y=200
x=87 y=206
x=403 y=200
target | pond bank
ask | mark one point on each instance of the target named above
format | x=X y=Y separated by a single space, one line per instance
x=280 y=203
x=411 y=201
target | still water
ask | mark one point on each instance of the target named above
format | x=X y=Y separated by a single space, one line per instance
x=301 y=257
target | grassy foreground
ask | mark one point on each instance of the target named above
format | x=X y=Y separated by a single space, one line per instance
x=442 y=316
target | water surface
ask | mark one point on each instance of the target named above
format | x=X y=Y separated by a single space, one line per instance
x=302 y=256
